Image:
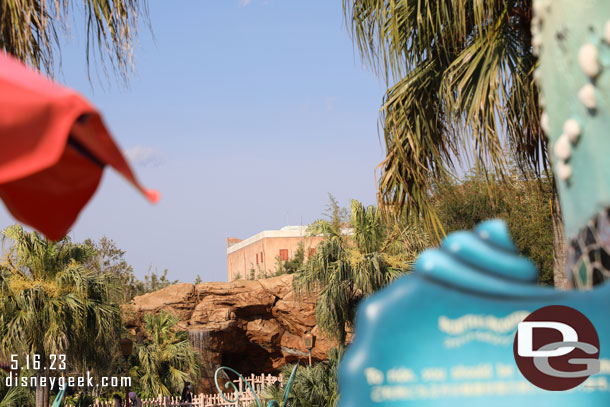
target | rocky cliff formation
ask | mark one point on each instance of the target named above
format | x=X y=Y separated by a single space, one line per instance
x=251 y=326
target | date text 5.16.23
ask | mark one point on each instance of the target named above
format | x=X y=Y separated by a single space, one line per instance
x=36 y=362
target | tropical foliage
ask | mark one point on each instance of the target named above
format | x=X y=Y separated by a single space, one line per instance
x=110 y=260
x=293 y=264
x=50 y=303
x=354 y=262
x=164 y=359
x=82 y=400
x=524 y=204
x=31 y=30
x=313 y=386
x=462 y=91
x=15 y=396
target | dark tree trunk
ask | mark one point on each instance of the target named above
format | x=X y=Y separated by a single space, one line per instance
x=560 y=278
x=45 y=392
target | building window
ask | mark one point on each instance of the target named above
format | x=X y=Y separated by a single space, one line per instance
x=256 y=258
x=261 y=257
x=312 y=251
x=284 y=254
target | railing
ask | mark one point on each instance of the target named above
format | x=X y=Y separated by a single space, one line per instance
x=258 y=383
x=201 y=400
x=242 y=398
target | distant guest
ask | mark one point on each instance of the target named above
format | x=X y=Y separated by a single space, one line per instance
x=135 y=401
x=117 y=401
x=187 y=394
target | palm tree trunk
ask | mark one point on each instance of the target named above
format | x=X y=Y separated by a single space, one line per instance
x=42 y=392
x=45 y=392
x=560 y=278
x=40 y=396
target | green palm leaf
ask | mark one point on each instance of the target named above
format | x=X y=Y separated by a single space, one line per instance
x=165 y=359
x=30 y=30
x=354 y=262
x=51 y=304
x=463 y=92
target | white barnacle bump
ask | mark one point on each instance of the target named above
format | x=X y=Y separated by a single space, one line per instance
x=536 y=42
x=586 y=94
x=571 y=129
x=541 y=100
x=536 y=24
x=607 y=32
x=544 y=122
x=588 y=58
x=537 y=75
x=563 y=148
x=564 y=170
x=541 y=7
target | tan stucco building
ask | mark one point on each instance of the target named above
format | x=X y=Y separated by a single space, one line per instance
x=258 y=252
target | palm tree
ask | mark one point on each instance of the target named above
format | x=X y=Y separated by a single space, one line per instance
x=352 y=263
x=165 y=359
x=50 y=304
x=462 y=92
x=30 y=30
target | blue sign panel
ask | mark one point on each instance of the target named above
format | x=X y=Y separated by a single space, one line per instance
x=445 y=334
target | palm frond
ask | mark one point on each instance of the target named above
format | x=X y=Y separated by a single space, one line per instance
x=31 y=30
x=165 y=360
x=348 y=267
x=463 y=92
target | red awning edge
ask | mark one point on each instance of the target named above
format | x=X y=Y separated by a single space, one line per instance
x=53 y=147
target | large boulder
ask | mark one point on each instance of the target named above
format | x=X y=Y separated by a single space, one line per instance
x=251 y=326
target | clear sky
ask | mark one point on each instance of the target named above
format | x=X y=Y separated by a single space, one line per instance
x=244 y=114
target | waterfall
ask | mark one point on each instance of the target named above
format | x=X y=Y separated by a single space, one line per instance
x=200 y=340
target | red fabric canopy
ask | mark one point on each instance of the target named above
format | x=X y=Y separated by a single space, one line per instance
x=53 y=149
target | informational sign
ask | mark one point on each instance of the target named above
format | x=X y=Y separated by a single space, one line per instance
x=446 y=335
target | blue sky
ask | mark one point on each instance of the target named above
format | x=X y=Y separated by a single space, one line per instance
x=244 y=114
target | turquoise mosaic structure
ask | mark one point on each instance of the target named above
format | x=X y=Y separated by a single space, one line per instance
x=572 y=39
